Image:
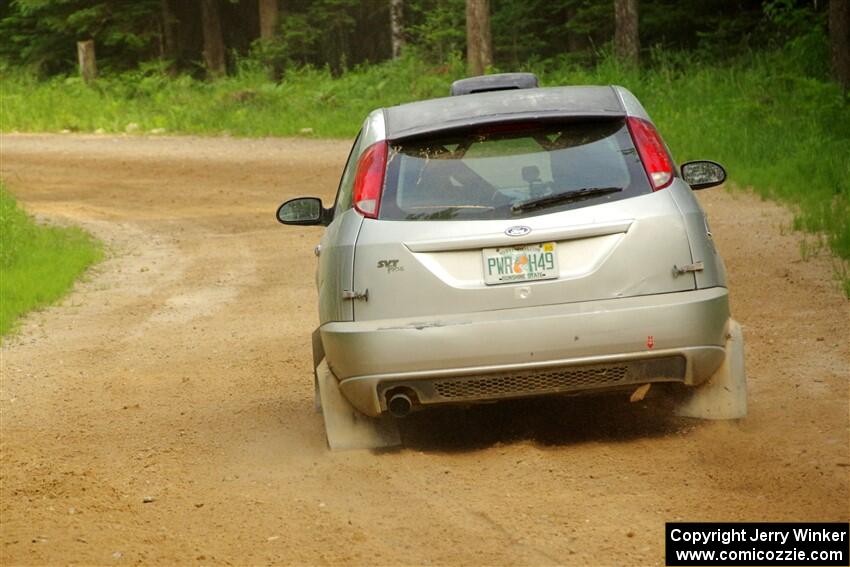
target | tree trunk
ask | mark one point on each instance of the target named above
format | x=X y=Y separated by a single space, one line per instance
x=397 y=26
x=269 y=17
x=576 y=42
x=479 y=45
x=213 y=39
x=86 y=58
x=626 y=39
x=169 y=31
x=839 y=35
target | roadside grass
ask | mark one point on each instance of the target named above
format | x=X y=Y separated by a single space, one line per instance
x=776 y=128
x=38 y=264
x=246 y=104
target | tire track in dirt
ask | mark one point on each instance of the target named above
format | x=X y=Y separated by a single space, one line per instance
x=180 y=370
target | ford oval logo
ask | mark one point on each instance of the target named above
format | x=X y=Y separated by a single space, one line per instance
x=518 y=230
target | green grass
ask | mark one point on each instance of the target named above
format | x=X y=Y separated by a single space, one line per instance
x=38 y=264
x=244 y=105
x=775 y=127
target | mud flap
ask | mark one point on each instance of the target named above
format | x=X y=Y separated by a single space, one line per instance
x=724 y=395
x=345 y=427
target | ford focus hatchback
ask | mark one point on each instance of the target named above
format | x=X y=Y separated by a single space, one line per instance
x=514 y=242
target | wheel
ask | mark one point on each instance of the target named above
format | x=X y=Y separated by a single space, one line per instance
x=317 y=398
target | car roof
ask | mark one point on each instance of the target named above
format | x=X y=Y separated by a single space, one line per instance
x=448 y=113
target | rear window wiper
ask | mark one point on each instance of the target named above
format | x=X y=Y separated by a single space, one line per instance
x=564 y=197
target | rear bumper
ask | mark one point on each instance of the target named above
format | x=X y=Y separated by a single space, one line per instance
x=579 y=346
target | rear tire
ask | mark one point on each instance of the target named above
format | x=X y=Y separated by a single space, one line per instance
x=318 y=357
x=317 y=398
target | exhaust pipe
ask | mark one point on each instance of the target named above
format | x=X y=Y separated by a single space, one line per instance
x=399 y=405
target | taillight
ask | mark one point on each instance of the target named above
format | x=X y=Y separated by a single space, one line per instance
x=369 y=180
x=652 y=151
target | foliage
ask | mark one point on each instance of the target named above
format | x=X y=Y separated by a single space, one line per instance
x=39 y=263
x=323 y=32
x=437 y=28
x=42 y=34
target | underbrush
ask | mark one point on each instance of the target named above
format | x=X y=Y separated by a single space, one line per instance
x=39 y=263
x=776 y=128
x=305 y=101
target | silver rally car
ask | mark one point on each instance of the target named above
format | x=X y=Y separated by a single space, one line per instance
x=512 y=241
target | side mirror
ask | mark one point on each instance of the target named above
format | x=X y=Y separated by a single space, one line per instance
x=303 y=211
x=703 y=174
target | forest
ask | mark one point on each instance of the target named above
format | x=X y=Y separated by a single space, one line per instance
x=214 y=37
x=761 y=86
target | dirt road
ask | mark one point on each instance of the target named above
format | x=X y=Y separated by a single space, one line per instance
x=179 y=372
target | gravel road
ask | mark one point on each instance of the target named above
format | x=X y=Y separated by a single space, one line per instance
x=162 y=414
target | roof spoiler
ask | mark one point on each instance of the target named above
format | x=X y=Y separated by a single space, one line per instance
x=499 y=82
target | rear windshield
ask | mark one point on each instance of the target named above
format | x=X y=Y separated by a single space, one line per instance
x=512 y=171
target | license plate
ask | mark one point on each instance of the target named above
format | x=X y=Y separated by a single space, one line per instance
x=520 y=263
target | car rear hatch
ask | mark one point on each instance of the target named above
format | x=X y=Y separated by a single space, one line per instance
x=524 y=214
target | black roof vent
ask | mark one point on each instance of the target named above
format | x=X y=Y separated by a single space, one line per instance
x=500 y=82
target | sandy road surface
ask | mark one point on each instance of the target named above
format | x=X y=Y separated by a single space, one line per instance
x=180 y=371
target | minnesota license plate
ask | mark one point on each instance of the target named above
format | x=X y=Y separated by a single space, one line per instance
x=520 y=263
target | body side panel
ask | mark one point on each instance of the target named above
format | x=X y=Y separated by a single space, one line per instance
x=630 y=103
x=702 y=244
x=335 y=269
